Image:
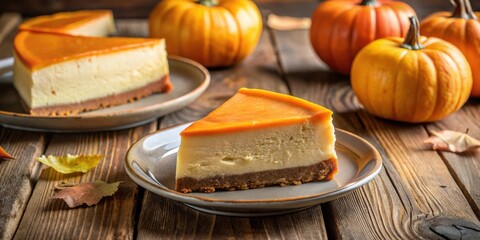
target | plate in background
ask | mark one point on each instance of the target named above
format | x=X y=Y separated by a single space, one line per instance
x=189 y=79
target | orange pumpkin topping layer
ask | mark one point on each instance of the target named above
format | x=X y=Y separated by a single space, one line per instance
x=37 y=50
x=91 y=22
x=255 y=108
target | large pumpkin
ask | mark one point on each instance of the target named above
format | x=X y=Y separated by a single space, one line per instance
x=341 y=28
x=213 y=33
x=462 y=29
x=418 y=79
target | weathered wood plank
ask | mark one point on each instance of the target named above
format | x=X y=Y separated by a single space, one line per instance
x=422 y=172
x=307 y=224
x=113 y=217
x=408 y=192
x=19 y=175
x=164 y=218
x=8 y=25
x=161 y=218
x=132 y=27
x=465 y=168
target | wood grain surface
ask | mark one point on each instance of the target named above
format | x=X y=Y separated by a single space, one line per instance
x=8 y=23
x=465 y=168
x=419 y=194
x=112 y=218
x=18 y=175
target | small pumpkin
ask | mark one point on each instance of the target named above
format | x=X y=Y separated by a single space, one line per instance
x=213 y=33
x=341 y=28
x=462 y=29
x=416 y=79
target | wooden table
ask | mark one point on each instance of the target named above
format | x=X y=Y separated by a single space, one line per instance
x=419 y=193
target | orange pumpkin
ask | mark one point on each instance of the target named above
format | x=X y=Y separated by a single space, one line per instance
x=213 y=33
x=418 y=79
x=462 y=29
x=341 y=28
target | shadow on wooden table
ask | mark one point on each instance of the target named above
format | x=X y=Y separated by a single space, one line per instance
x=189 y=223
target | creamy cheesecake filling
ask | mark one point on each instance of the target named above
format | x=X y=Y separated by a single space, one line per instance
x=162 y=85
x=99 y=27
x=90 y=77
x=272 y=148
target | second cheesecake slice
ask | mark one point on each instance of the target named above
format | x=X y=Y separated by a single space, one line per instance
x=58 y=74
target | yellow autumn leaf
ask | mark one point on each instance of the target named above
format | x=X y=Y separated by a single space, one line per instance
x=71 y=163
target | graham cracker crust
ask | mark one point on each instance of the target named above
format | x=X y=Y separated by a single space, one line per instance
x=162 y=85
x=321 y=171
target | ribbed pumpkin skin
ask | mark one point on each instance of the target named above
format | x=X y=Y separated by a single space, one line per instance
x=214 y=36
x=340 y=28
x=463 y=33
x=411 y=85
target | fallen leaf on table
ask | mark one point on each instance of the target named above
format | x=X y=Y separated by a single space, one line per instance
x=71 y=163
x=284 y=23
x=4 y=154
x=452 y=141
x=89 y=193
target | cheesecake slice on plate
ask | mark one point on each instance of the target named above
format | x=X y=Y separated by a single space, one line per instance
x=59 y=74
x=256 y=139
x=85 y=23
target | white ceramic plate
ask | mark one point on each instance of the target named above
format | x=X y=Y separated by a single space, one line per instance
x=151 y=163
x=189 y=79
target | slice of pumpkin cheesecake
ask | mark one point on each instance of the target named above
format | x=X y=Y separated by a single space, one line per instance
x=256 y=139
x=95 y=23
x=58 y=74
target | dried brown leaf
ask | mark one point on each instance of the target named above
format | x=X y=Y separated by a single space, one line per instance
x=89 y=193
x=452 y=141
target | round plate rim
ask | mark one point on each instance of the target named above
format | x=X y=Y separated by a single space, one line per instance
x=211 y=202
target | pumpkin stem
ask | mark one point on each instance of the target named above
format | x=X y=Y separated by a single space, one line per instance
x=208 y=3
x=463 y=9
x=413 y=35
x=368 y=3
